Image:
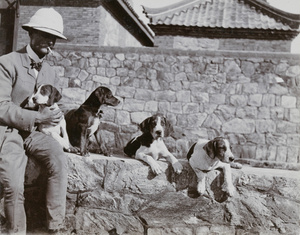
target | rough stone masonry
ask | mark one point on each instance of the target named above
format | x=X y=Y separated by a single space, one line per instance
x=251 y=98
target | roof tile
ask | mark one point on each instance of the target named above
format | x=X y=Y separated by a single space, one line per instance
x=215 y=13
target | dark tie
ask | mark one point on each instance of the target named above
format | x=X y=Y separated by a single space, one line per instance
x=35 y=65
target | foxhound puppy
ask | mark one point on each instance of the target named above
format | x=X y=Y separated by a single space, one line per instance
x=47 y=96
x=149 y=146
x=205 y=156
x=82 y=123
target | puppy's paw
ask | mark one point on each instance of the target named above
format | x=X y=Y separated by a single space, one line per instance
x=236 y=165
x=73 y=149
x=84 y=153
x=177 y=167
x=229 y=189
x=156 y=169
x=201 y=188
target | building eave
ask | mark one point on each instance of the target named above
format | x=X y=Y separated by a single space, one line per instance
x=133 y=24
x=237 y=33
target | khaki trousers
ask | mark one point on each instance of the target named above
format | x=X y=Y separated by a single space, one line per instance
x=49 y=153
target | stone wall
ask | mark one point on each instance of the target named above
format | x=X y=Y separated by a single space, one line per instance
x=121 y=196
x=191 y=43
x=251 y=98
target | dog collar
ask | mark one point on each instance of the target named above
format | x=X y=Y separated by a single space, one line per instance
x=99 y=113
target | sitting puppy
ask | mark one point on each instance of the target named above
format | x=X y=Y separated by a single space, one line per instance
x=149 y=146
x=205 y=156
x=47 y=96
x=83 y=122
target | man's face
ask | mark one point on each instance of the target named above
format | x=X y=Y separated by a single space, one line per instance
x=40 y=41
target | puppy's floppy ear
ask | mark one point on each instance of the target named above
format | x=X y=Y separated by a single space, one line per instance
x=54 y=97
x=145 y=125
x=100 y=93
x=210 y=148
x=168 y=127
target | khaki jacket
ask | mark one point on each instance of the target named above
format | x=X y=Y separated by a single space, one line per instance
x=17 y=82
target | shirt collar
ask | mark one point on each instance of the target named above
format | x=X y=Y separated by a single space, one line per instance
x=32 y=54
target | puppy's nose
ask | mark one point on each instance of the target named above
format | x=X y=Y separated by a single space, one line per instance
x=33 y=99
x=158 y=132
x=231 y=159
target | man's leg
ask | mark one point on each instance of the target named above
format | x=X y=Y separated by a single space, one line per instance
x=13 y=163
x=49 y=153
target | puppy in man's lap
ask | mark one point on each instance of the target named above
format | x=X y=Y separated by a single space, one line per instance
x=47 y=96
x=207 y=155
x=150 y=147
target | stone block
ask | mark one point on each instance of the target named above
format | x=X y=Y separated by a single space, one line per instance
x=248 y=68
x=231 y=68
x=176 y=107
x=101 y=79
x=268 y=100
x=165 y=96
x=73 y=95
x=122 y=117
x=190 y=108
x=125 y=91
x=217 y=98
x=120 y=56
x=255 y=100
x=265 y=126
x=83 y=75
x=288 y=101
x=246 y=112
x=144 y=94
x=151 y=106
x=71 y=72
x=236 y=125
x=293 y=71
x=278 y=89
x=239 y=100
x=200 y=97
x=114 y=63
x=183 y=96
x=133 y=105
x=295 y=115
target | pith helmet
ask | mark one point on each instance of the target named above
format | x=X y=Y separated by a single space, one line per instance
x=47 y=20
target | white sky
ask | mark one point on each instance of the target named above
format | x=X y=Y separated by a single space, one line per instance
x=292 y=6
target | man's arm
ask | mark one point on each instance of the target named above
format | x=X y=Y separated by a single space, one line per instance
x=11 y=114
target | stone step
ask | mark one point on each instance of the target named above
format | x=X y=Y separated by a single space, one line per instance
x=121 y=195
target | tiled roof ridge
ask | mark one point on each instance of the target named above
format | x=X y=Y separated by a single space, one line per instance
x=166 y=12
x=289 y=18
x=159 y=15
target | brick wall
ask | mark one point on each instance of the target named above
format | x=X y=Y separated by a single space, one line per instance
x=251 y=98
x=190 y=43
x=6 y=30
x=85 y=25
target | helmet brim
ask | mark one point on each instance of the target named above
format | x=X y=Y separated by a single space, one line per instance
x=46 y=30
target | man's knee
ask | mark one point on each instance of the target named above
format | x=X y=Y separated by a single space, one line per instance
x=48 y=152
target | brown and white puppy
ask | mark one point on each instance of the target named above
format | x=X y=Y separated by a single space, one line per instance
x=205 y=156
x=48 y=96
x=83 y=122
x=149 y=146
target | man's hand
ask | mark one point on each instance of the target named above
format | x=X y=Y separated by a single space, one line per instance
x=49 y=116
